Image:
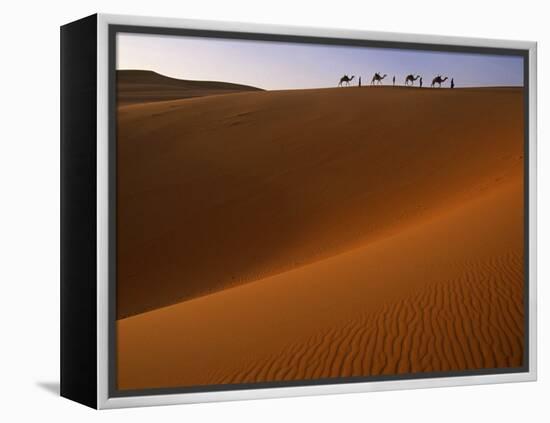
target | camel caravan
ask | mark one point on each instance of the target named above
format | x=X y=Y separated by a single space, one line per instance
x=410 y=80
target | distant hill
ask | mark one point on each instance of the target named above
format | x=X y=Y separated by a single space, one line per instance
x=142 y=86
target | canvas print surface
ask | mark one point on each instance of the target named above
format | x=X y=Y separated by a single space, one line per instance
x=294 y=212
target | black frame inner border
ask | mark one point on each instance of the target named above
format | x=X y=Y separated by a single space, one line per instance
x=114 y=29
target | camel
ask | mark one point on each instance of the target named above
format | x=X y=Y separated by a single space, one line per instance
x=410 y=78
x=377 y=79
x=345 y=79
x=438 y=80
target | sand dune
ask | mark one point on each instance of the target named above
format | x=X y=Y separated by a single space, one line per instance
x=282 y=236
x=443 y=294
x=218 y=191
x=139 y=86
x=472 y=322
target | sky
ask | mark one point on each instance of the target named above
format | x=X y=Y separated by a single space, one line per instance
x=279 y=65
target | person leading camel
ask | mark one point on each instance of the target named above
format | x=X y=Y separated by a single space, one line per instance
x=410 y=79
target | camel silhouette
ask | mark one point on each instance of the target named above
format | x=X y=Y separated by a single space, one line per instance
x=438 y=80
x=377 y=79
x=345 y=79
x=410 y=78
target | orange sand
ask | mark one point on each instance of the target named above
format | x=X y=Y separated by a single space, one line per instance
x=319 y=233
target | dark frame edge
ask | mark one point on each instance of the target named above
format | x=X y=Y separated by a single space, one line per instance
x=78 y=209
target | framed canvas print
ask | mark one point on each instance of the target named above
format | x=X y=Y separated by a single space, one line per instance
x=254 y=211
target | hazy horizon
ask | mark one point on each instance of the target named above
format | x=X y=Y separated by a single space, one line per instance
x=281 y=65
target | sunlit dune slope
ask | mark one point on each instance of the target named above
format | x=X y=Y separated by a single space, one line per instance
x=222 y=190
x=445 y=294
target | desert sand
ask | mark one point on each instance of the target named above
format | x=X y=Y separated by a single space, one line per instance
x=283 y=235
x=139 y=86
